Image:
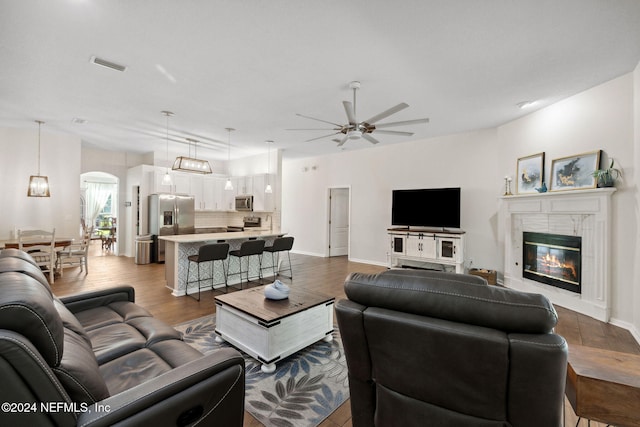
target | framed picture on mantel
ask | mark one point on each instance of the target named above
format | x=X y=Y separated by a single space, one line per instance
x=574 y=172
x=530 y=173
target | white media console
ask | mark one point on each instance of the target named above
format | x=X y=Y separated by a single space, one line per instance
x=412 y=247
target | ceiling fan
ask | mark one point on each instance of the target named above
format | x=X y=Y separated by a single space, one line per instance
x=364 y=129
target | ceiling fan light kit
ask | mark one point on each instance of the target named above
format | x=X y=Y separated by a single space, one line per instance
x=355 y=130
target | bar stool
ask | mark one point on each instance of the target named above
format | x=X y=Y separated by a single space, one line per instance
x=280 y=244
x=248 y=249
x=208 y=253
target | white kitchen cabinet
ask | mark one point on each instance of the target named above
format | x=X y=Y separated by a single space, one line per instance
x=263 y=201
x=243 y=185
x=208 y=192
x=180 y=182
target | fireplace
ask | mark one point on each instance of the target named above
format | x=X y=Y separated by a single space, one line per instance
x=553 y=259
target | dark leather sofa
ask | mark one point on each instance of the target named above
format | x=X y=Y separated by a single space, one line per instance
x=429 y=348
x=98 y=359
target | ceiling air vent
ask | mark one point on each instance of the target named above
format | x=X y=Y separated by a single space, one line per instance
x=108 y=64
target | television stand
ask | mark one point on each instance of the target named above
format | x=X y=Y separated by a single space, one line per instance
x=427 y=246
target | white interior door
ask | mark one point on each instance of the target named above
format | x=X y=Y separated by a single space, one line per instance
x=339 y=221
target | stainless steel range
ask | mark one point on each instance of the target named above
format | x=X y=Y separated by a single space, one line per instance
x=252 y=221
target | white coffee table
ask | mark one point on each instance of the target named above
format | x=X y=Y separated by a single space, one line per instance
x=270 y=330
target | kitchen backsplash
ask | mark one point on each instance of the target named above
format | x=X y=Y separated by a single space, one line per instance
x=223 y=219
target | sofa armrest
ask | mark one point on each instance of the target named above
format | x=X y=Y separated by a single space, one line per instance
x=92 y=299
x=209 y=390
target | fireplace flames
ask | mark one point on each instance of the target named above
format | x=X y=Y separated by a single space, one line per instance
x=553 y=259
x=550 y=264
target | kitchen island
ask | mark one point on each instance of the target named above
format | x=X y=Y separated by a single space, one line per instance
x=179 y=247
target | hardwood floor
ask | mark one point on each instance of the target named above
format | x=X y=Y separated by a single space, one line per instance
x=323 y=274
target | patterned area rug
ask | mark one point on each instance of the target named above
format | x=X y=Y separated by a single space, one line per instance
x=305 y=388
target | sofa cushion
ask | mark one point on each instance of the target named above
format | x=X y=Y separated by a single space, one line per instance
x=115 y=312
x=456 y=297
x=78 y=371
x=69 y=321
x=114 y=340
x=132 y=369
x=21 y=262
x=27 y=308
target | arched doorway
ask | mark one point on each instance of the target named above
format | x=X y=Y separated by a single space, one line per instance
x=99 y=208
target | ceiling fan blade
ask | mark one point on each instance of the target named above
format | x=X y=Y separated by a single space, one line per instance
x=387 y=113
x=342 y=141
x=404 y=122
x=370 y=138
x=320 y=120
x=311 y=129
x=393 y=132
x=348 y=108
x=320 y=137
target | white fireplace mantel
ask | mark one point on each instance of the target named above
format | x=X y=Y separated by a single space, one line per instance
x=585 y=213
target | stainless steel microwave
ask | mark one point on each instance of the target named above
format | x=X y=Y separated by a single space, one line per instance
x=244 y=203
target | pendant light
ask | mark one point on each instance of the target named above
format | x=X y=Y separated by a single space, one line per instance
x=38 y=184
x=229 y=186
x=268 y=188
x=192 y=164
x=166 y=180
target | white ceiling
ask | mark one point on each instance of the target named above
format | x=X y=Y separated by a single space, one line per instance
x=253 y=64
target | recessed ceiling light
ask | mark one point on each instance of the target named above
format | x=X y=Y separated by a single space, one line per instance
x=525 y=104
x=107 y=64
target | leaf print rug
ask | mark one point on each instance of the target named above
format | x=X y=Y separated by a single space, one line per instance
x=305 y=388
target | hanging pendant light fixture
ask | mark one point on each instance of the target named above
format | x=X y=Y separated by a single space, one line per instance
x=38 y=184
x=229 y=186
x=268 y=188
x=192 y=164
x=166 y=179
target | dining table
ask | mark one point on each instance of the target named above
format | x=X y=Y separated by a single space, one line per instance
x=59 y=242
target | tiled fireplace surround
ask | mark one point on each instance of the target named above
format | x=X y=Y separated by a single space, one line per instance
x=585 y=213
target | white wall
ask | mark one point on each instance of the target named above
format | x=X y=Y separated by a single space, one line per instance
x=636 y=166
x=465 y=160
x=60 y=161
x=599 y=118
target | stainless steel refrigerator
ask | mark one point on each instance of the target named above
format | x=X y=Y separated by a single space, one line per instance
x=170 y=214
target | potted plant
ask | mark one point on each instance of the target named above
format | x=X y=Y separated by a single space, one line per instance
x=607 y=177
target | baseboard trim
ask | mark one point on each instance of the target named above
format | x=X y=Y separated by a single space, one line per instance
x=308 y=253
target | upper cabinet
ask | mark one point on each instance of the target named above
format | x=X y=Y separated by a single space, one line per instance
x=180 y=182
x=209 y=192
x=263 y=201
x=243 y=185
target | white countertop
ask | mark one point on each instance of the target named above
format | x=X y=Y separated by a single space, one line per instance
x=194 y=238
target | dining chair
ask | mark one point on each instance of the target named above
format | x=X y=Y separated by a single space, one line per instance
x=76 y=254
x=40 y=244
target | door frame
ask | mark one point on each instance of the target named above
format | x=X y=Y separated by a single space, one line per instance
x=328 y=220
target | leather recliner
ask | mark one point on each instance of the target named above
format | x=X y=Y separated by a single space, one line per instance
x=98 y=359
x=428 y=348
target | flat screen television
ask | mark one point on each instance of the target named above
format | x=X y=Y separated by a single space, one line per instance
x=426 y=207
